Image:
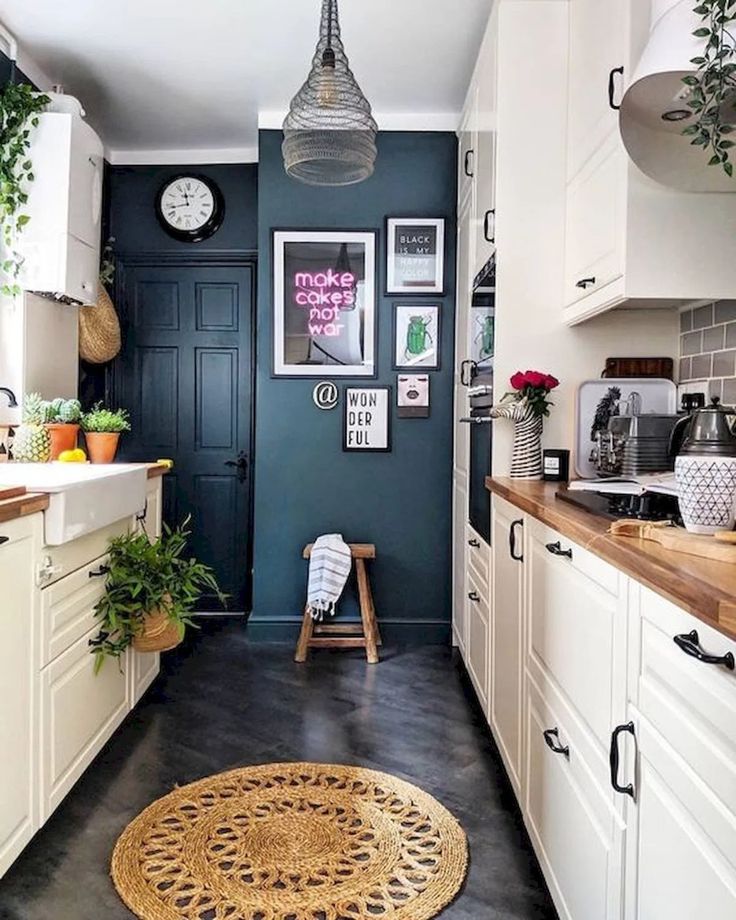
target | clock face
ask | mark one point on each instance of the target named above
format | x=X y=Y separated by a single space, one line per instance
x=190 y=208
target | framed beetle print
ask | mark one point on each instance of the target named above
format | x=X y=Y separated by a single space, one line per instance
x=324 y=303
x=415 y=258
x=416 y=336
x=367 y=419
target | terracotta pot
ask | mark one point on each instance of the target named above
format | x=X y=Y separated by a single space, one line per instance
x=102 y=445
x=63 y=437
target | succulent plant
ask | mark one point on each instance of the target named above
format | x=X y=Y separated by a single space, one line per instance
x=70 y=411
x=101 y=419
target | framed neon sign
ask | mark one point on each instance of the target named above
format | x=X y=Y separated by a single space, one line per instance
x=324 y=303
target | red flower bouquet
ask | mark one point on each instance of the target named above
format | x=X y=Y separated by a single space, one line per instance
x=533 y=387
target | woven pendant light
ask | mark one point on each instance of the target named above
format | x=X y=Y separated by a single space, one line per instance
x=330 y=133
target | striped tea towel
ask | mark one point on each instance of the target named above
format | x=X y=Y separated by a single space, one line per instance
x=329 y=567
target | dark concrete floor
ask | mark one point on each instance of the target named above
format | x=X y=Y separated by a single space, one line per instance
x=223 y=702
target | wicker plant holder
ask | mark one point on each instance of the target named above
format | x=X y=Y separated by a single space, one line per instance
x=99 y=330
x=160 y=633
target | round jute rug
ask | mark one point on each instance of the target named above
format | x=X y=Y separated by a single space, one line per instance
x=291 y=841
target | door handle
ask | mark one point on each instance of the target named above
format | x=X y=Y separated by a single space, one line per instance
x=557 y=550
x=486 y=223
x=614 y=758
x=612 y=87
x=103 y=570
x=474 y=543
x=552 y=740
x=4 y=540
x=241 y=464
x=466 y=165
x=467 y=380
x=689 y=643
x=512 y=541
x=474 y=596
x=585 y=283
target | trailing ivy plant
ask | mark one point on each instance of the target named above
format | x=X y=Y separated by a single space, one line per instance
x=713 y=89
x=20 y=106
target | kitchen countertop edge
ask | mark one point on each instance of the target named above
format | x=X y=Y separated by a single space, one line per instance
x=704 y=588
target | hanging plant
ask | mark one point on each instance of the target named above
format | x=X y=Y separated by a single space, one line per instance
x=713 y=90
x=20 y=106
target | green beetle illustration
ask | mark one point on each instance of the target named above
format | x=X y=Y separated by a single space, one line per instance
x=418 y=338
x=486 y=336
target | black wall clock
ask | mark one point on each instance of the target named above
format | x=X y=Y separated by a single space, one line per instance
x=190 y=208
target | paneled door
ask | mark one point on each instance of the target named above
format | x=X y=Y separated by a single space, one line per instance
x=185 y=375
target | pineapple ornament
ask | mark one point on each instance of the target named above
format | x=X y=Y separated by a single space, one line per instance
x=32 y=442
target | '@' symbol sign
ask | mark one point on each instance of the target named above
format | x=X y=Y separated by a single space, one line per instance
x=325 y=395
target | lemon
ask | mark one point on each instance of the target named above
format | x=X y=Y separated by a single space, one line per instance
x=73 y=456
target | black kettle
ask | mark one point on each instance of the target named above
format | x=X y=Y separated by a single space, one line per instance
x=707 y=431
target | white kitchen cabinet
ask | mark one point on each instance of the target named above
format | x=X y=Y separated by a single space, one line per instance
x=468 y=150
x=627 y=238
x=485 y=87
x=20 y=541
x=61 y=242
x=478 y=632
x=459 y=553
x=79 y=712
x=507 y=631
x=145 y=666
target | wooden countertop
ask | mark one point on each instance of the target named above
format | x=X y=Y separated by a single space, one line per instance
x=21 y=505
x=157 y=469
x=705 y=589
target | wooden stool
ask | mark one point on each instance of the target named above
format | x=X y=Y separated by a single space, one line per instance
x=354 y=635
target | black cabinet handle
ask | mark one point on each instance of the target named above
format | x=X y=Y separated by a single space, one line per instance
x=474 y=543
x=466 y=164
x=486 y=225
x=512 y=541
x=585 y=283
x=614 y=758
x=552 y=740
x=557 y=550
x=474 y=596
x=690 y=645
x=4 y=540
x=612 y=87
x=103 y=570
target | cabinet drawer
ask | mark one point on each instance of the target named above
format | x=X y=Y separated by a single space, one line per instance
x=693 y=704
x=587 y=563
x=59 y=561
x=478 y=555
x=79 y=712
x=576 y=636
x=578 y=835
x=67 y=608
x=477 y=648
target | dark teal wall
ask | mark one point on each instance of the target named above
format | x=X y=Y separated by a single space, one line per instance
x=305 y=485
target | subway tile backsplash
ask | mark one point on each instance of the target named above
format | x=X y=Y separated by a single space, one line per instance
x=708 y=349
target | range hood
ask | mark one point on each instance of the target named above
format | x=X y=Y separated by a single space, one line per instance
x=654 y=108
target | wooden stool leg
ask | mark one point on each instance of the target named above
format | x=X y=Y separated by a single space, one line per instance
x=374 y=619
x=302 y=646
x=367 y=612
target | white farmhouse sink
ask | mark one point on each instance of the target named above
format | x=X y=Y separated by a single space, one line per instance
x=82 y=497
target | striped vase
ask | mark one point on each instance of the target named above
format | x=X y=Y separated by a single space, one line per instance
x=526 y=462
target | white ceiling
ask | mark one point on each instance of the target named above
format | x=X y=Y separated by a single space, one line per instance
x=163 y=77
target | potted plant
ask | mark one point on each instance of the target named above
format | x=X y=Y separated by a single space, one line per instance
x=151 y=592
x=102 y=429
x=62 y=423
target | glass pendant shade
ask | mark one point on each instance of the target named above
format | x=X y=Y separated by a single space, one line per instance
x=330 y=133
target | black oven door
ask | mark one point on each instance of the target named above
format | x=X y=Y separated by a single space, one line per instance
x=479 y=498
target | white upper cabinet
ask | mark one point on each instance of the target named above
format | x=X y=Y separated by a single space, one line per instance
x=61 y=243
x=629 y=240
x=485 y=167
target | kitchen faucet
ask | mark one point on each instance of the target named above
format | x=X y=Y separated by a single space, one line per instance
x=12 y=401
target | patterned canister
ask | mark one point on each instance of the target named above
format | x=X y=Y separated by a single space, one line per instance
x=706 y=492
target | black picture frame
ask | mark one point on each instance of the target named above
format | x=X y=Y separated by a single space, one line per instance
x=206 y=230
x=440 y=223
x=325 y=371
x=388 y=390
x=416 y=305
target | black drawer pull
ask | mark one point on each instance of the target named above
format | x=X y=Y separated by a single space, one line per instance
x=474 y=543
x=466 y=164
x=512 y=541
x=585 y=283
x=474 y=596
x=614 y=759
x=612 y=87
x=4 y=540
x=486 y=226
x=103 y=570
x=690 y=645
x=557 y=550
x=552 y=740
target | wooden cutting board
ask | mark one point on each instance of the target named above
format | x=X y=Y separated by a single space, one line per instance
x=10 y=491
x=676 y=540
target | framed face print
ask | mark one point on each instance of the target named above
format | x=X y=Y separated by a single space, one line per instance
x=416 y=336
x=324 y=303
x=415 y=259
x=412 y=396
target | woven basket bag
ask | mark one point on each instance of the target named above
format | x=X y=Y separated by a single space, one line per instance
x=99 y=330
x=159 y=634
